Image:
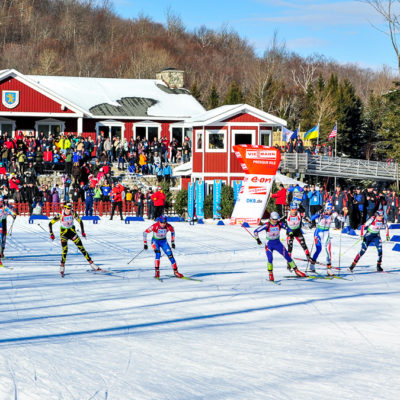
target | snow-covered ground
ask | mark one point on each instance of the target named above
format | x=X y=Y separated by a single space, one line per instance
x=231 y=336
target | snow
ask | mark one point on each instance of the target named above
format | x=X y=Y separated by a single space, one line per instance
x=233 y=335
x=89 y=92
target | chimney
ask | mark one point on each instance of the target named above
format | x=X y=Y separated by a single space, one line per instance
x=172 y=77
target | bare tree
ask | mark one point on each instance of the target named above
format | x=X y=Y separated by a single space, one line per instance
x=387 y=10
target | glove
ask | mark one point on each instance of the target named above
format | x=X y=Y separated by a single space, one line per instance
x=14 y=216
x=173 y=245
x=83 y=234
x=52 y=237
x=291 y=234
x=145 y=247
x=258 y=241
x=388 y=238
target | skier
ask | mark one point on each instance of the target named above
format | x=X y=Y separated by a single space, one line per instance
x=293 y=221
x=322 y=235
x=68 y=232
x=4 y=212
x=372 y=227
x=273 y=229
x=159 y=241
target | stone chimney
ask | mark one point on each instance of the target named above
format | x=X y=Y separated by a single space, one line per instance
x=172 y=77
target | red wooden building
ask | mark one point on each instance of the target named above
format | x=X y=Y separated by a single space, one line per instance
x=215 y=132
x=151 y=108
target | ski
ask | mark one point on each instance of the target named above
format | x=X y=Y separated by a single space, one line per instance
x=316 y=262
x=274 y=282
x=308 y=277
x=188 y=278
x=4 y=266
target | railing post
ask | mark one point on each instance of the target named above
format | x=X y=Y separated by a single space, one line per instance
x=397 y=176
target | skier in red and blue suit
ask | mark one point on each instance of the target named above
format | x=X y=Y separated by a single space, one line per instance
x=272 y=229
x=370 y=233
x=159 y=241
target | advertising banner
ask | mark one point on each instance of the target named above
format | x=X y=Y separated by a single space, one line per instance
x=217 y=199
x=191 y=201
x=200 y=199
x=260 y=164
x=236 y=188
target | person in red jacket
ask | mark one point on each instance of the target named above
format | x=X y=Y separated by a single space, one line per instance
x=159 y=202
x=280 y=201
x=116 y=199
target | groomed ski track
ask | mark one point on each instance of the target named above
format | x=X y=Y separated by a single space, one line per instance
x=233 y=335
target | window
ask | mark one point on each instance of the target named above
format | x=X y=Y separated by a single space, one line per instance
x=265 y=137
x=110 y=129
x=50 y=127
x=216 y=141
x=199 y=141
x=7 y=128
x=147 y=130
x=177 y=134
x=242 y=137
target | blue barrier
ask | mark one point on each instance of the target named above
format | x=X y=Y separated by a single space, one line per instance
x=246 y=225
x=33 y=217
x=396 y=247
x=349 y=231
x=94 y=218
x=394 y=226
x=175 y=219
x=395 y=238
x=200 y=221
x=220 y=222
x=133 y=219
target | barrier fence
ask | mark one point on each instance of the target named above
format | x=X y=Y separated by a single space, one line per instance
x=100 y=208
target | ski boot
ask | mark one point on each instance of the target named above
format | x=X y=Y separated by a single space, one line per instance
x=157 y=273
x=329 y=270
x=378 y=267
x=299 y=273
x=176 y=273
x=270 y=272
x=94 y=266
x=312 y=265
x=352 y=266
x=62 y=269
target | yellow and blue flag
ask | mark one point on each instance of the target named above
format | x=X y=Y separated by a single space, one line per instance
x=313 y=133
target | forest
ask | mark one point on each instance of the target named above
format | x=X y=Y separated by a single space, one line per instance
x=87 y=38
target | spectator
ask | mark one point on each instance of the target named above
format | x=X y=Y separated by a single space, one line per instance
x=116 y=199
x=280 y=201
x=159 y=202
x=139 y=202
x=150 y=204
x=167 y=173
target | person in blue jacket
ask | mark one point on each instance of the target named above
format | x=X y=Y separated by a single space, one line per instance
x=316 y=201
x=89 y=199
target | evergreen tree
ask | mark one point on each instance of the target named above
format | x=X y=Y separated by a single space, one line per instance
x=349 y=119
x=389 y=146
x=181 y=202
x=194 y=90
x=213 y=98
x=308 y=117
x=227 y=201
x=234 y=95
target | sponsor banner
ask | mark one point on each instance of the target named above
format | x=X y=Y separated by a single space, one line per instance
x=217 y=199
x=200 y=200
x=260 y=164
x=191 y=201
x=236 y=189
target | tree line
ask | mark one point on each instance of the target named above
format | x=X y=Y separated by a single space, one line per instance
x=87 y=38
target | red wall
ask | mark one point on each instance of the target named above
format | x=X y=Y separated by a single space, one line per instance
x=29 y=99
x=244 y=118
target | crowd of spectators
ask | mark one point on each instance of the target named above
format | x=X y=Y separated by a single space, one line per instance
x=297 y=146
x=85 y=168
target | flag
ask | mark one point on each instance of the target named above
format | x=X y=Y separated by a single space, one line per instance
x=286 y=134
x=333 y=134
x=313 y=133
x=294 y=135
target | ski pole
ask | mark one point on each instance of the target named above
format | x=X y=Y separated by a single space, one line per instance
x=358 y=241
x=140 y=252
x=11 y=228
x=340 y=243
x=248 y=231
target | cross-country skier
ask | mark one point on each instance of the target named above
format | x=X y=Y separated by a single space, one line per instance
x=370 y=233
x=159 y=241
x=68 y=232
x=272 y=229
x=4 y=212
x=293 y=221
x=322 y=234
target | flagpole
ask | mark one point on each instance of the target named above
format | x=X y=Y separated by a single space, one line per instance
x=336 y=140
x=318 y=134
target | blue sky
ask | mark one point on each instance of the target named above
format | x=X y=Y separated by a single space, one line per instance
x=341 y=30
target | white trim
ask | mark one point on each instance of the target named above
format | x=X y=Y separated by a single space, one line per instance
x=110 y=123
x=10 y=122
x=212 y=132
x=51 y=122
x=234 y=132
x=271 y=131
x=223 y=174
x=35 y=114
x=79 y=126
x=147 y=124
x=44 y=91
x=201 y=132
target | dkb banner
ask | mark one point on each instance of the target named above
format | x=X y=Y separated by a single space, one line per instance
x=200 y=199
x=260 y=164
x=217 y=199
x=191 y=201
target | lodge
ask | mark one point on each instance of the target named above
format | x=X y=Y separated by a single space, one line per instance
x=132 y=108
